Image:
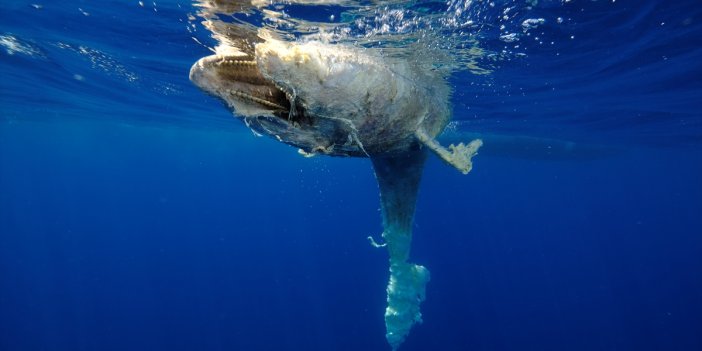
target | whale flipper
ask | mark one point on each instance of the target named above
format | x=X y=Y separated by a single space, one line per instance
x=458 y=156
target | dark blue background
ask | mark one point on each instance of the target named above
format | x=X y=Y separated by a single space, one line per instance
x=138 y=215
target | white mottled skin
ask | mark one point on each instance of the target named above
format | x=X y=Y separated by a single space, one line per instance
x=385 y=101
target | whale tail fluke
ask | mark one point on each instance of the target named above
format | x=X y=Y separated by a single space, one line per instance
x=398 y=178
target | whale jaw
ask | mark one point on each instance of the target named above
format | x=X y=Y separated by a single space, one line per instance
x=269 y=108
x=238 y=81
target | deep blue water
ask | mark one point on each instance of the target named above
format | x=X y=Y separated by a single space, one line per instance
x=137 y=214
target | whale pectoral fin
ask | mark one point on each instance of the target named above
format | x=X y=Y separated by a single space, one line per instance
x=458 y=156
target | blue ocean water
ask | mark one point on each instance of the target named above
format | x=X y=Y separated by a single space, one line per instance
x=137 y=214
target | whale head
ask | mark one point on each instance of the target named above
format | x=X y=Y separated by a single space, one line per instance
x=322 y=98
x=239 y=83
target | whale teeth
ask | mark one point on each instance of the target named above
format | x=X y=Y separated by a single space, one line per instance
x=245 y=96
x=233 y=62
x=241 y=69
